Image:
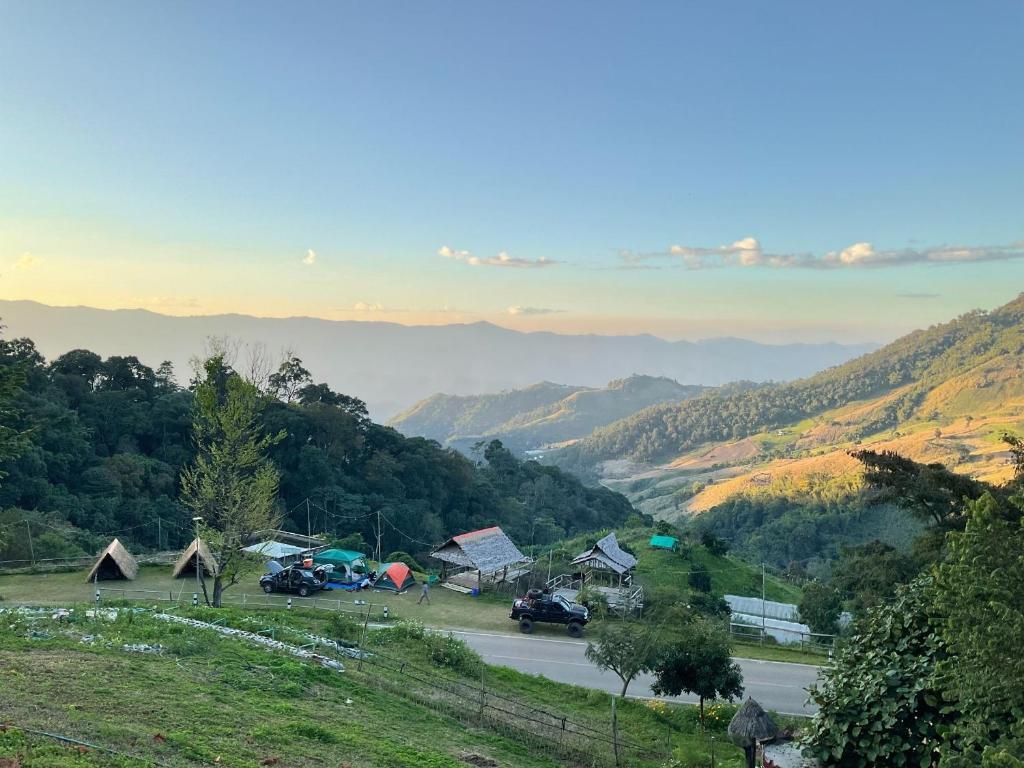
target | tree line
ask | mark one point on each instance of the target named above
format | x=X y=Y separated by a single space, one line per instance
x=93 y=447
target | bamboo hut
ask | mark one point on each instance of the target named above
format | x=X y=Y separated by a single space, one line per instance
x=486 y=554
x=186 y=564
x=750 y=726
x=114 y=563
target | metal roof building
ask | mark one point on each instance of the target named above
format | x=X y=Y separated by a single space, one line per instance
x=488 y=550
x=607 y=555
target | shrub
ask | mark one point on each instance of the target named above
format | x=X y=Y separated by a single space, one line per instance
x=878 y=703
x=405 y=557
x=450 y=652
x=402 y=631
x=700 y=578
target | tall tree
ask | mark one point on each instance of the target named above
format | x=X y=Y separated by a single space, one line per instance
x=291 y=377
x=12 y=377
x=233 y=484
x=979 y=603
x=624 y=647
x=820 y=608
x=928 y=491
x=697 y=661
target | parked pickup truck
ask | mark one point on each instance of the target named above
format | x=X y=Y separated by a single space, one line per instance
x=542 y=607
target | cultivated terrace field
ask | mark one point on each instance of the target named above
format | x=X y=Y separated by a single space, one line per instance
x=133 y=689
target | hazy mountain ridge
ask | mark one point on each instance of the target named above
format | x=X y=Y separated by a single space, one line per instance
x=392 y=366
x=539 y=415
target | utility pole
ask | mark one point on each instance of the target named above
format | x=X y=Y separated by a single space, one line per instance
x=159 y=535
x=551 y=553
x=197 y=520
x=378 y=537
x=31 y=548
x=762 y=604
x=309 y=533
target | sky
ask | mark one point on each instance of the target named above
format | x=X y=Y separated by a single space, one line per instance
x=798 y=171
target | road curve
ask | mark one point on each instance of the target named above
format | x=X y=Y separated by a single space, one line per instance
x=776 y=685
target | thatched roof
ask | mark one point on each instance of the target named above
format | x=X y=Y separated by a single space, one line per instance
x=114 y=562
x=487 y=550
x=607 y=554
x=750 y=725
x=186 y=564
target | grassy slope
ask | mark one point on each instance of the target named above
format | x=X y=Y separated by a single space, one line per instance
x=970 y=411
x=209 y=699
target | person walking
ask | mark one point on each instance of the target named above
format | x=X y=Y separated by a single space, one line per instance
x=424 y=595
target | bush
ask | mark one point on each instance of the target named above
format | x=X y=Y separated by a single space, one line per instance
x=344 y=626
x=404 y=557
x=402 y=631
x=450 y=652
x=879 y=704
x=713 y=544
x=354 y=542
x=700 y=578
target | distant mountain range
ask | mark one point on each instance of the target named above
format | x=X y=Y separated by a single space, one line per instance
x=536 y=416
x=392 y=366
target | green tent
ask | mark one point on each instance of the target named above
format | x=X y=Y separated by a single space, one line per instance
x=664 y=542
x=348 y=565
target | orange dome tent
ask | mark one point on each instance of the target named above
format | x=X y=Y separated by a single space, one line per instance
x=396 y=577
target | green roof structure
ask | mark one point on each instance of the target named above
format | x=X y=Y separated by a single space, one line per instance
x=664 y=542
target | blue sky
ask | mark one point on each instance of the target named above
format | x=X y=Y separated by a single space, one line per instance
x=778 y=171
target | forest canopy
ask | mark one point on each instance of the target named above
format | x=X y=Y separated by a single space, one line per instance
x=95 y=447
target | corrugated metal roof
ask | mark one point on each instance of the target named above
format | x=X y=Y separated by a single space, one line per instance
x=607 y=553
x=273 y=549
x=488 y=550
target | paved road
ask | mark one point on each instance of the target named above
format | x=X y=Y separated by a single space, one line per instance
x=775 y=685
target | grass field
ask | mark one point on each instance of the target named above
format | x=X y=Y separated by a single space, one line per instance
x=211 y=700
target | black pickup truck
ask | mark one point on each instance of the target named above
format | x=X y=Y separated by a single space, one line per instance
x=542 y=607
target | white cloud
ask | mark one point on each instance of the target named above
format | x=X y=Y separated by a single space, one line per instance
x=748 y=252
x=27 y=261
x=310 y=258
x=363 y=306
x=503 y=259
x=517 y=310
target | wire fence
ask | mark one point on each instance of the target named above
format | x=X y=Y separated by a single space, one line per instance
x=537 y=728
x=782 y=636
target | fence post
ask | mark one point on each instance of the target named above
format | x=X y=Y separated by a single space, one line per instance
x=195 y=599
x=362 y=638
x=615 y=734
x=289 y=603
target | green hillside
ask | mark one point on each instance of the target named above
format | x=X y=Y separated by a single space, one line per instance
x=539 y=415
x=441 y=417
x=908 y=369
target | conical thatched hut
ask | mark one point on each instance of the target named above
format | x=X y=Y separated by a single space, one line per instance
x=115 y=562
x=186 y=564
x=749 y=726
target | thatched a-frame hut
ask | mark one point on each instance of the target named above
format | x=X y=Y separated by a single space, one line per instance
x=114 y=562
x=186 y=564
x=749 y=726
